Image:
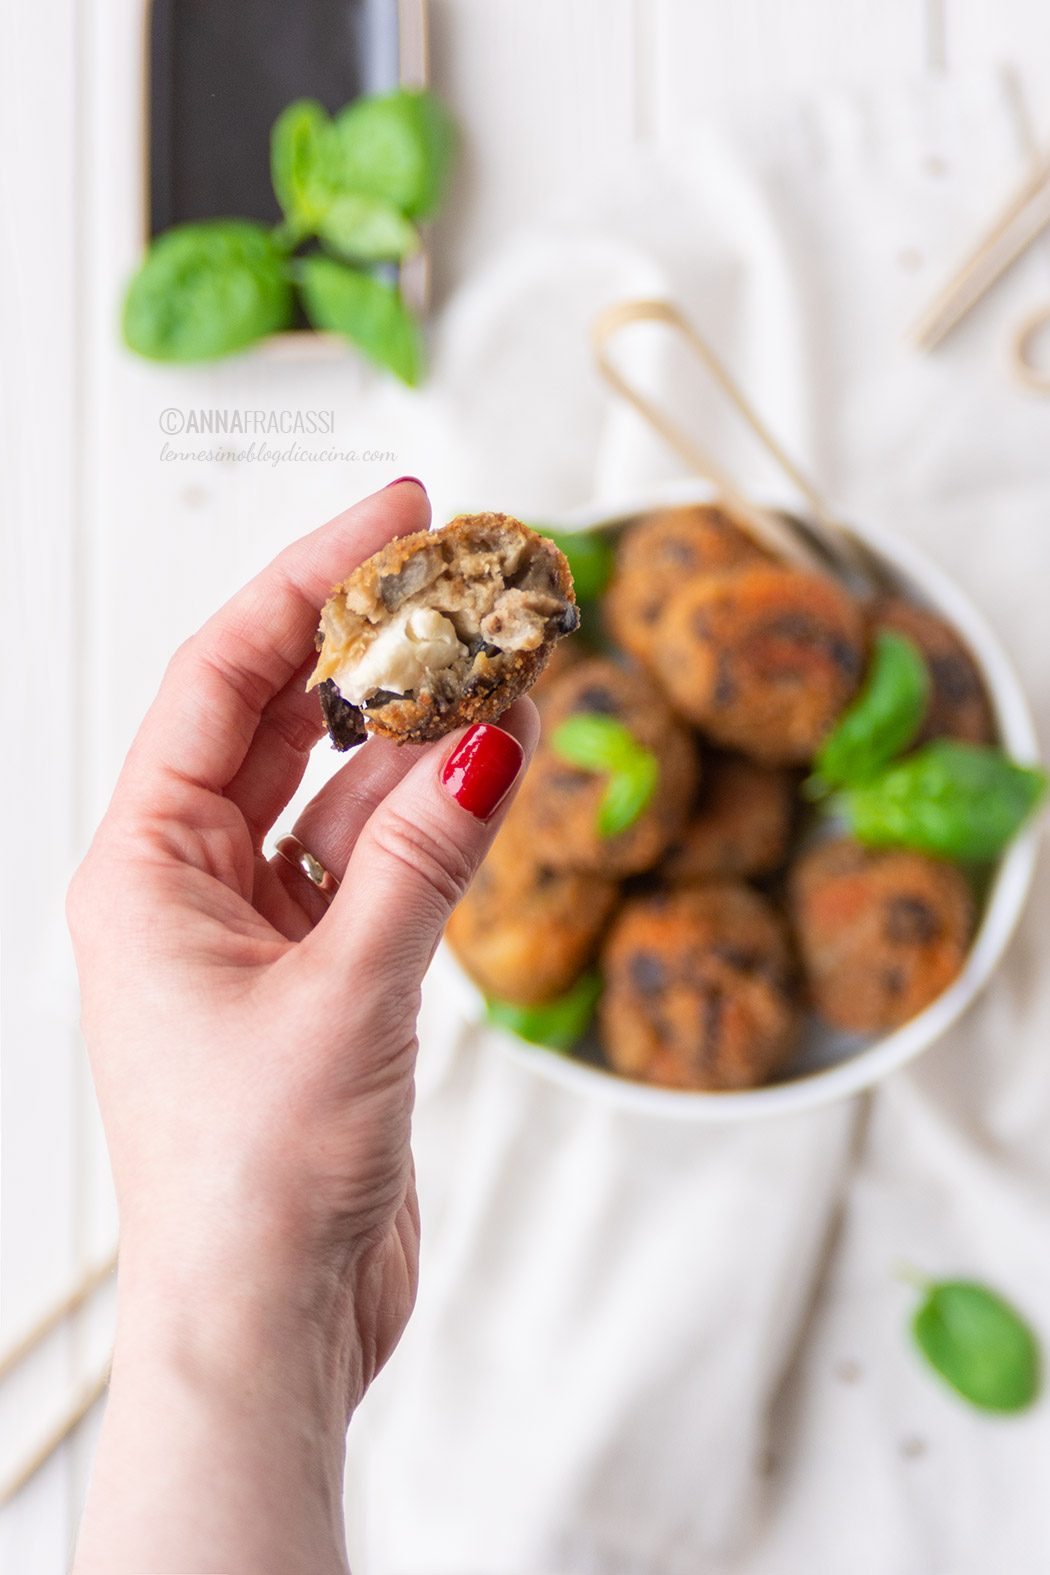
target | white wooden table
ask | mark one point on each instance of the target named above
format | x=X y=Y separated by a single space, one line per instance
x=550 y=94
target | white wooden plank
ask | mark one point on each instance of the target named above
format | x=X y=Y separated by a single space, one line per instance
x=38 y=333
x=708 y=55
x=40 y=318
x=546 y=97
x=36 y=1529
x=1013 y=35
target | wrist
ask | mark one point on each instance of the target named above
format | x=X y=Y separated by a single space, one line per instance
x=262 y=1311
x=230 y=1393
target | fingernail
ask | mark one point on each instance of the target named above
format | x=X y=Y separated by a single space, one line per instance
x=481 y=770
x=413 y=479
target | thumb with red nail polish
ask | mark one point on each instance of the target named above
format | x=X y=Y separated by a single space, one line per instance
x=482 y=769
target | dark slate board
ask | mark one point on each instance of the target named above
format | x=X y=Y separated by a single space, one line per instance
x=221 y=71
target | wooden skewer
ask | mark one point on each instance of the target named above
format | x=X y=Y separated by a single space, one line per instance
x=768 y=527
x=57 y=1314
x=1015 y=227
x=72 y=1419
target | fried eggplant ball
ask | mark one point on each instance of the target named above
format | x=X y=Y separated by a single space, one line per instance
x=959 y=706
x=525 y=932
x=699 y=989
x=659 y=554
x=763 y=659
x=563 y=801
x=741 y=825
x=441 y=628
x=881 y=932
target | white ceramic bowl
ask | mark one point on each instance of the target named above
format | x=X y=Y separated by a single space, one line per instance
x=830 y=1066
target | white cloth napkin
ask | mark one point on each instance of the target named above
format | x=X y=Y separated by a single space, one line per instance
x=644 y=1348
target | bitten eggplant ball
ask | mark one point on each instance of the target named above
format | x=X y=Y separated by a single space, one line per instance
x=525 y=932
x=568 y=804
x=699 y=989
x=741 y=825
x=441 y=628
x=958 y=706
x=763 y=659
x=881 y=932
x=660 y=554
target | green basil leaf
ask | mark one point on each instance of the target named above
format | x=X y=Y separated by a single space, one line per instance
x=207 y=290
x=591 y=560
x=884 y=718
x=558 y=1024
x=299 y=150
x=594 y=742
x=398 y=147
x=366 y=229
x=953 y=800
x=367 y=311
x=979 y=1344
x=627 y=793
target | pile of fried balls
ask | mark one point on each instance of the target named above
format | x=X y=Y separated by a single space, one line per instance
x=687 y=877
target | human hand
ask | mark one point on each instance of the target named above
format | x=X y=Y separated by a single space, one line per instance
x=253 y=1048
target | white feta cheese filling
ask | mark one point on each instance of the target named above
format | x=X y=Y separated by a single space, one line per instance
x=401 y=657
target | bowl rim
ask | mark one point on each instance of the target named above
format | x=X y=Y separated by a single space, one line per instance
x=1004 y=904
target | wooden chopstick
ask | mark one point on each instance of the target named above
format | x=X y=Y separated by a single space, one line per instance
x=1023 y=217
x=56 y=1315
x=88 y=1398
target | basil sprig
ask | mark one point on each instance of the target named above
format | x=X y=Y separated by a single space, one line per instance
x=558 y=1024
x=949 y=799
x=356 y=184
x=881 y=722
x=601 y=744
x=979 y=1344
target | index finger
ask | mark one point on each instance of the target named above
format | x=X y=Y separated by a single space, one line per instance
x=202 y=722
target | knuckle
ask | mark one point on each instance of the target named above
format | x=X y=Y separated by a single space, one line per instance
x=298 y=733
x=181 y=658
x=433 y=858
